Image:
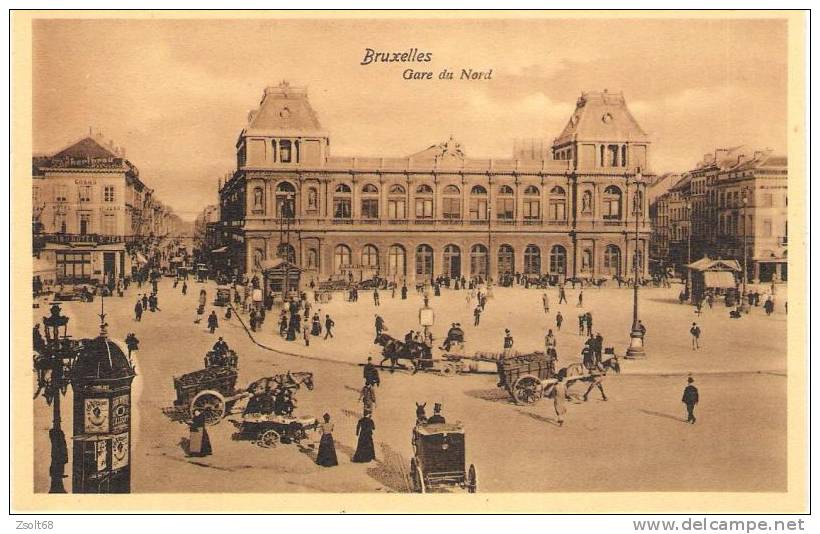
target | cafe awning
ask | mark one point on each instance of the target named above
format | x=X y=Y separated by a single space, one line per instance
x=719 y=279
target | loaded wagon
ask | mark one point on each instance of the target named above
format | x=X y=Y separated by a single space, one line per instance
x=439 y=458
x=525 y=376
x=212 y=390
x=267 y=430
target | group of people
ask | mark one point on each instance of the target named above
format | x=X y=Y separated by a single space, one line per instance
x=146 y=302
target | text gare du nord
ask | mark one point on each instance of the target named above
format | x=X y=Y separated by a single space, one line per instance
x=413 y=55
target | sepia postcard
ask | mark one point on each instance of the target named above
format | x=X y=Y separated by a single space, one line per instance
x=424 y=261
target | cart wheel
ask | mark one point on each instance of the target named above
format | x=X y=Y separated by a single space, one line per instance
x=212 y=404
x=472 y=480
x=527 y=390
x=449 y=369
x=418 y=478
x=269 y=439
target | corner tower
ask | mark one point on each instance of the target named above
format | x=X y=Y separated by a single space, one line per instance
x=602 y=134
x=282 y=132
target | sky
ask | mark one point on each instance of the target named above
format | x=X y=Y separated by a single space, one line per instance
x=176 y=93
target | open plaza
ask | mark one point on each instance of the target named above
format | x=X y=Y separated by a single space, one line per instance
x=638 y=437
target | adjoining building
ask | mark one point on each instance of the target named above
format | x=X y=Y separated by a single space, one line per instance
x=568 y=211
x=89 y=205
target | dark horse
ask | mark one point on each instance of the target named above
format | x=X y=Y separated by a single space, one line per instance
x=396 y=350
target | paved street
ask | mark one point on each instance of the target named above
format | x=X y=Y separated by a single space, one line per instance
x=638 y=438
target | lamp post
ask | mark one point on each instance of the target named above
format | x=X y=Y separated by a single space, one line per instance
x=745 y=201
x=688 y=244
x=636 y=348
x=489 y=241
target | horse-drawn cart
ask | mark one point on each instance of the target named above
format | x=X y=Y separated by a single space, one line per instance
x=439 y=458
x=212 y=390
x=269 y=430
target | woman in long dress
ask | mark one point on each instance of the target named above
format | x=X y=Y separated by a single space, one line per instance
x=365 y=452
x=559 y=394
x=199 y=444
x=327 y=448
x=316 y=326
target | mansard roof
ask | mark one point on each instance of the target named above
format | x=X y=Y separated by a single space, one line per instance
x=603 y=117
x=284 y=109
x=86 y=148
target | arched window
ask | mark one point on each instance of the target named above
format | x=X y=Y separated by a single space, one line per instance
x=258 y=199
x=478 y=203
x=370 y=202
x=424 y=261
x=396 y=261
x=612 y=260
x=558 y=260
x=286 y=252
x=532 y=260
x=452 y=261
x=505 y=203
x=370 y=257
x=612 y=203
x=558 y=204
x=341 y=258
x=285 y=200
x=424 y=202
x=479 y=261
x=532 y=204
x=506 y=260
x=451 y=207
x=396 y=203
x=342 y=202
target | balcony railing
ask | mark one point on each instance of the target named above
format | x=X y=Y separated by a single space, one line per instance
x=96 y=239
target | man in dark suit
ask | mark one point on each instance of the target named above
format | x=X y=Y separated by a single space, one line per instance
x=436 y=418
x=690 y=399
x=371 y=373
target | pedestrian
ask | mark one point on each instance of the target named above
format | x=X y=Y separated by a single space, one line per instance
x=368 y=397
x=326 y=457
x=580 y=298
x=306 y=334
x=477 y=315
x=138 y=310
x=316 y=326
x=581 y=322
x=404 y=292
x=690 y=399
x=545 y=299
x=558 y=320
x=559 y=399
x=768 y=306
x=597 y=381
x=642 y=330
x=508 y=343
x=695 y=331
x=184 y=287
x=598 y=348
x=133 y=345
x=589 y=323
x=365 y=452
x=379 y=325
x=199 y=444
x=371 y=373
x=228 y=312
x=562 y=294
x=328 y=326
x=213 y=322
x=376 y=296
x=144 y=301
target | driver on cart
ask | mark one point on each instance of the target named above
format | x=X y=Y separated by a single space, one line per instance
x=454 y=335
x=220 y=347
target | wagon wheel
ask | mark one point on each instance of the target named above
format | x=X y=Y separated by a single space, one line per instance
x=212 y=404
x=472 y=480
x=449 y=369
x=527 y=390
x=418 y=478
x=268 y=439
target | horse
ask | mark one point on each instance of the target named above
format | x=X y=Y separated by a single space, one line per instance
x=578 y=370
x=395 y=350
x=289 y=380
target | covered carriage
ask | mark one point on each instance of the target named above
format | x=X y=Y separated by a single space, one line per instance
x=439 y=458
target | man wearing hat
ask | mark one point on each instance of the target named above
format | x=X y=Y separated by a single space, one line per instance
x=379 y=325
x=508 y=342
x=371 y=374
x=436 y=418
x=690 y=399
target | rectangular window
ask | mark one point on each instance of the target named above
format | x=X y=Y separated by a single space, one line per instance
x=61 y=193
x=370 y=208
x=557 y=210
x=85 y=193
x=73 y=266
x=424 y=208
x=452 y=208
x=108 y=193
x=60 y=224
x=341 y=208
x=85 y=223
x=767 y=227
x=505 y=209
x=109 y=224
x=532 y=210
x=478 y=209
x=284 y=151
x=396 y=209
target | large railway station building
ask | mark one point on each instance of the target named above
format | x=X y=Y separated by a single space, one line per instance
x=572 y=208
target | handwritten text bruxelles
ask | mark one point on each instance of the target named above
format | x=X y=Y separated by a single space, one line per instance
x=414 y=55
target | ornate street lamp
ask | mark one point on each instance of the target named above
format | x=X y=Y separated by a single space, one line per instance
x=636 y=348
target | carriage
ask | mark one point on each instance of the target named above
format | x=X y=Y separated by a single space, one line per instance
x=223 y=296
x=212 y=390
x=439 y=458
x=269 y=430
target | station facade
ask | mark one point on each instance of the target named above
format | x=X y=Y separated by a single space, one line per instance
x=567 y=209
